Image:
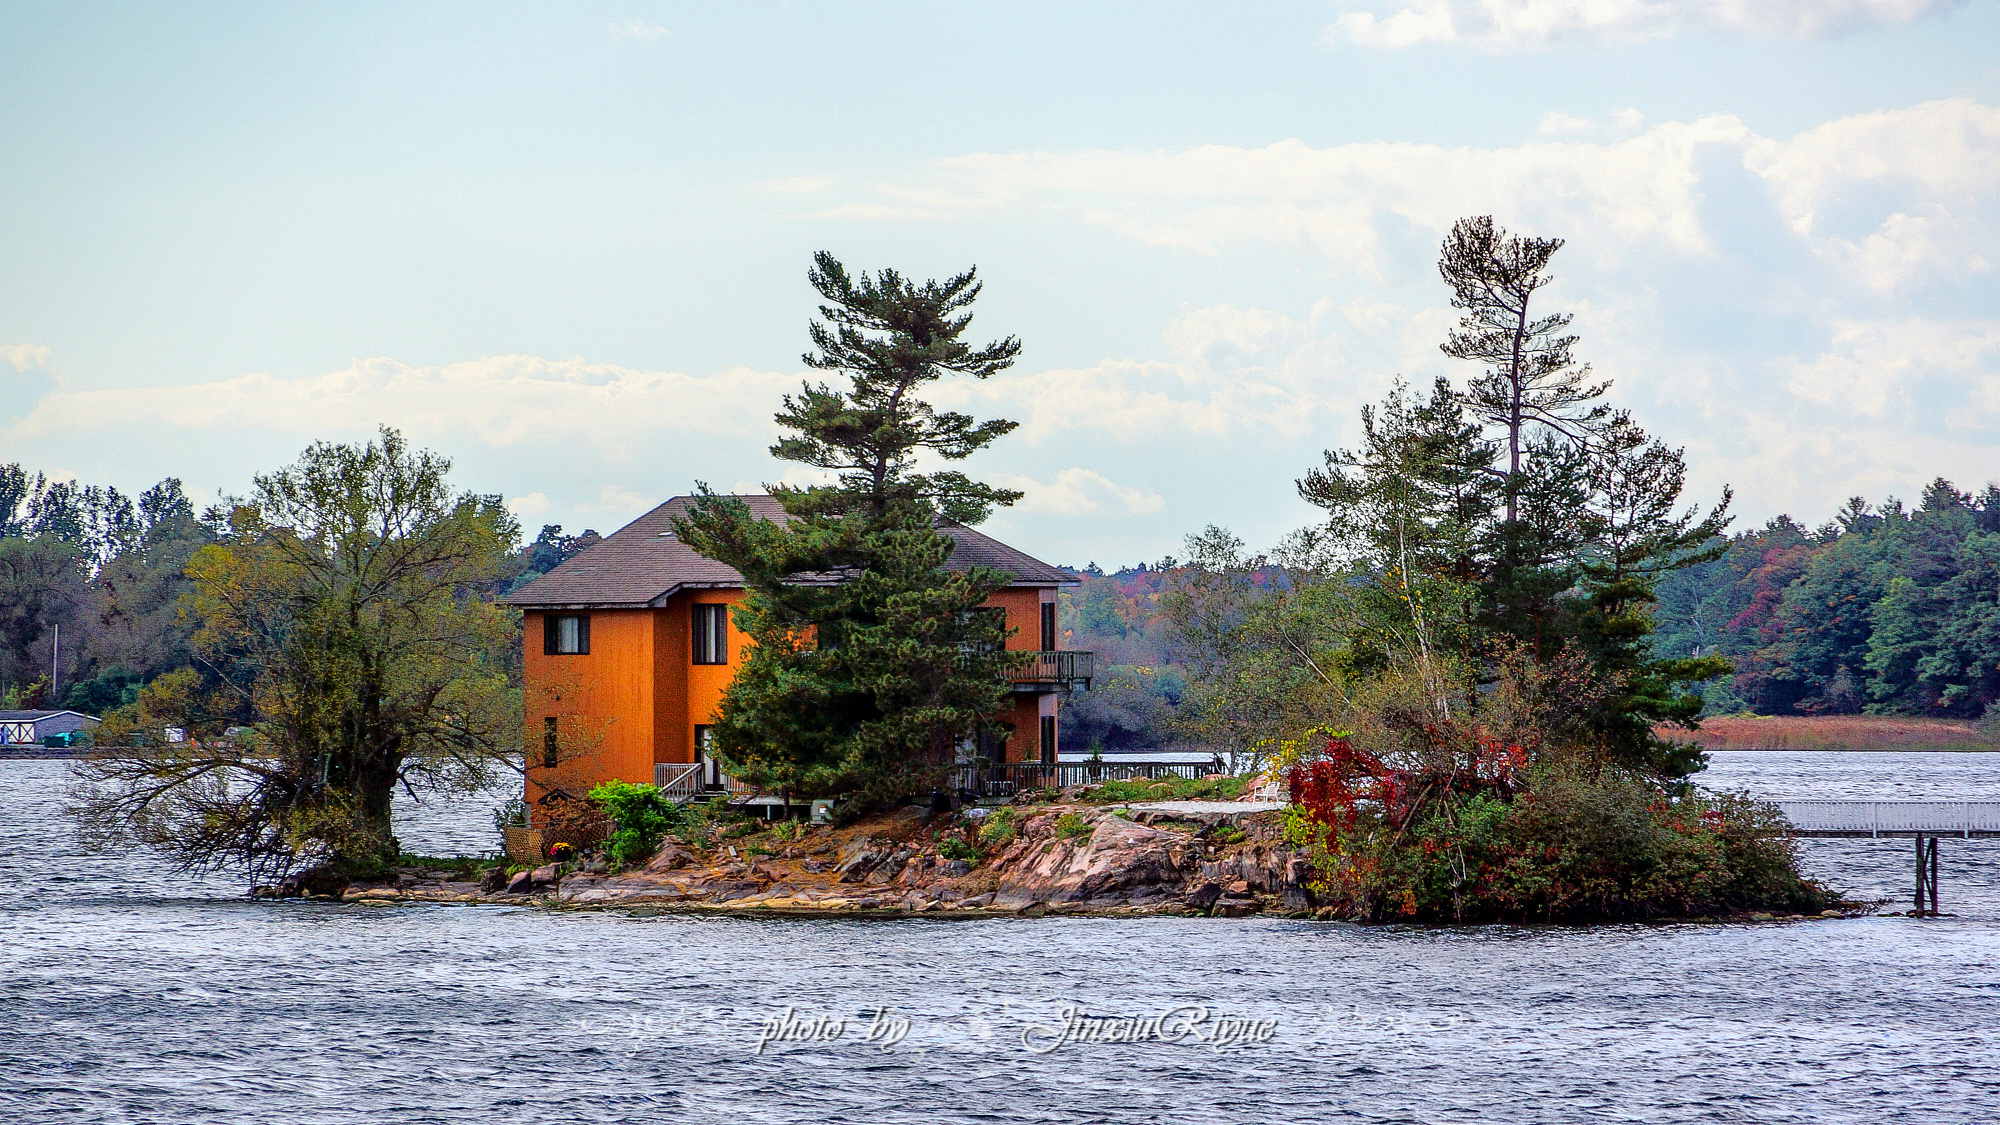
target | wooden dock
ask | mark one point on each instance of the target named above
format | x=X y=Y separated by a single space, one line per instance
x=1966 y=819
x=1926 y=822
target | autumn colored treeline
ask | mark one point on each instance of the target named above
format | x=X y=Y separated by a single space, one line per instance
x=1882 y=611
x=109 y=570
x=1140 y=682
x=1885 y=611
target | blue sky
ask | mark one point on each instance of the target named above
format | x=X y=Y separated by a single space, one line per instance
x=567 y=244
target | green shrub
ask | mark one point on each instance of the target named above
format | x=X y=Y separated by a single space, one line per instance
x=1576 y=847
x=953 y=847
x=998 y=831
x=643 y=816
x=1069 y=826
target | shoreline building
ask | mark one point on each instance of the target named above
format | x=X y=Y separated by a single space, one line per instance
x=629 y=646
x=34 y=733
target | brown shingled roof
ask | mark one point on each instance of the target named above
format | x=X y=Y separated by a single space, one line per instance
x=643 y=564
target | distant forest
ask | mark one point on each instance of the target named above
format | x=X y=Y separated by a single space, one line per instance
x=1881 y=611
x=109 y=570
x=1884 y=610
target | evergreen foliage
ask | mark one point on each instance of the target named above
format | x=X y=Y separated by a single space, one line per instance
x=870 y=662
x=1552 y=532
x=1883 y=611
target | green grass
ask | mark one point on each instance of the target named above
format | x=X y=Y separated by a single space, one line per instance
x=1165 y=789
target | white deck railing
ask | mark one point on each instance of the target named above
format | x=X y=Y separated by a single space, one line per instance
x=1892 y=818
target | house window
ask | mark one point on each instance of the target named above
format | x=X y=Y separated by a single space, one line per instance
x=550 y=746
x=991 y=615
x=1048 y=740
x=566 y=634
x=1048 y=626
x=711 y=634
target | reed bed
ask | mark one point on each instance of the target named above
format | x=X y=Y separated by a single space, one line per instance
x=1839 y=732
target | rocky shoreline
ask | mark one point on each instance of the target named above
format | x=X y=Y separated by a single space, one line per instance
x=1062 y=859
x=1176 y=858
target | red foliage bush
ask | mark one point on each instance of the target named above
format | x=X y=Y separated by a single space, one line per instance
x=1458 y=761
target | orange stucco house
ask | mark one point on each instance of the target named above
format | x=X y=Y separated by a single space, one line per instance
x=629 y=645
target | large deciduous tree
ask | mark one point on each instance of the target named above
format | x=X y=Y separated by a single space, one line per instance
x=344 y=612
x=871 y=660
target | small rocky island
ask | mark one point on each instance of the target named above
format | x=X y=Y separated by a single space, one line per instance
x=1066 y=856
x=1063 y=856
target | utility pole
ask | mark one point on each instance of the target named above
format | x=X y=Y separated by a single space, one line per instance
x=55 y=667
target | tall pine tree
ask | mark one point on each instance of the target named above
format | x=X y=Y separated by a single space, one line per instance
x=871 y=660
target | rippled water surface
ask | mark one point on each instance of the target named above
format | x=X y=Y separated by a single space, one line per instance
x=130 y=996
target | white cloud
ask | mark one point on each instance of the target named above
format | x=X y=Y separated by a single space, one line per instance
x=529 y=506
x=1948 y=151
x=620 y=505
x=500 y=401
x=1870 y=366
x=902 y=202
x=1928 y=174
x=1559 y=124
x=789 y=473
x=1910 y=248
x=1893 y=199
x=1846 y=230
x=1080 y=492
x=25 y=356
x=637 y=29
x=1501 y=25
x=1227 y=370
x=1624 y=122
x=1639 y=190
x=1694 y=246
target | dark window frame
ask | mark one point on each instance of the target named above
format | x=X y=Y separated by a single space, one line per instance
x=1049 y=637
x=1048 y=740
x=709 y=626
x=552 y=634
x=551 y=743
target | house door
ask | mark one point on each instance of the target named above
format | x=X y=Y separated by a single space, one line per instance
x=704 y=753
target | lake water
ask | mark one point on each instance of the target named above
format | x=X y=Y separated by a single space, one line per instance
x=126 y=996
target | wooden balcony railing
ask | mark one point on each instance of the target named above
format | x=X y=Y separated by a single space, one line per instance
x=696 y=781
x=1061 y=669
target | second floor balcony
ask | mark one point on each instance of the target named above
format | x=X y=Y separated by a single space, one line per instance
x=1052 y=669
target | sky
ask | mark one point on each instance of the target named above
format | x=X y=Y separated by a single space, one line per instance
x=566 y=244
